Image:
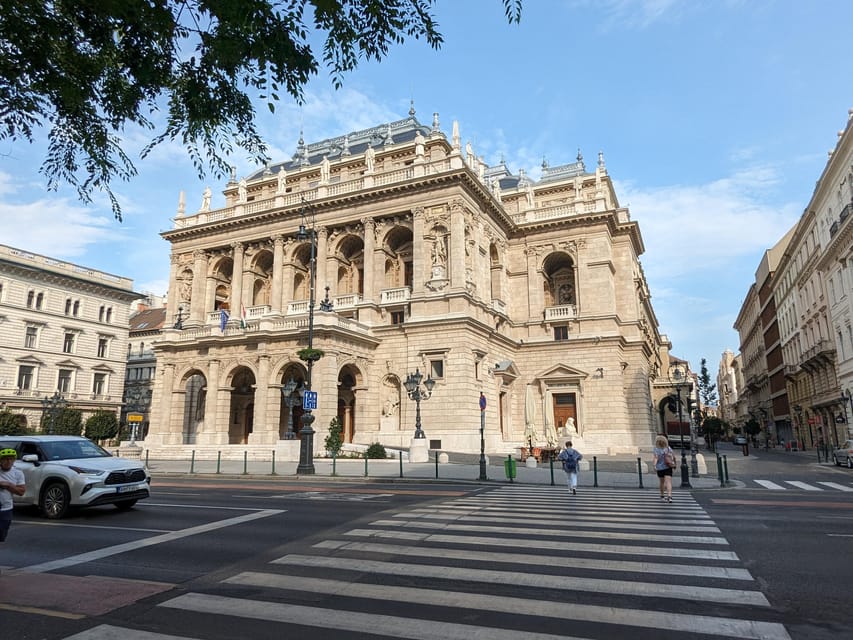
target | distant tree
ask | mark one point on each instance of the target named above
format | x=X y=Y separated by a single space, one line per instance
x=101 y=425
x=88 y=70
x=752 y=427
x=713 y=428
x=10 y=424
x=335 y=441
x=68 y=422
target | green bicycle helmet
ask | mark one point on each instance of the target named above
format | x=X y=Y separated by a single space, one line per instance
x=8 y=453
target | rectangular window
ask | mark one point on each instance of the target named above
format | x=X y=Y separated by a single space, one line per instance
x=398 y=317
x=30 y=340
x=68 y=343
x=99 y=384
x=103 y=344
x=25 y=377
x=63 y=384
x=561 y=333
x=436 y=369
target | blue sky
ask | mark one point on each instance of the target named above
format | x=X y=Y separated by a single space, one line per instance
x=714 y=118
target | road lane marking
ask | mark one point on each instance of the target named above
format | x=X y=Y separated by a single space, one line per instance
x=110 y=632
x=803 y=485
x=835 y=485
x=550 y=545
x=767 y=484
x=371 y=623
x=550 y=560
x=99 y=554
x=563 y=533
x=42 y=612
x=524 y=579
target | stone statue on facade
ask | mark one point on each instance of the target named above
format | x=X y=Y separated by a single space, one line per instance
x=282 y=180
x=242 y=190
x=439 y=251
x=205 y=199
x=370 y=159
x=325 y=170
x=419 y=144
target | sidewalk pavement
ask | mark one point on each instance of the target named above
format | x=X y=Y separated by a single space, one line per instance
x=618 y=473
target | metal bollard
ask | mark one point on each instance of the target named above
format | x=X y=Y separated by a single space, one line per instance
x=401 y=464
x=594 y=471
x=272 y=473
x=245 y=462
x=551 y=462
x=192 y=462
x=334 y=463
x=726 y=468
x=720 y=470
x=436 y=465
x=147 y=451
x=640 y=471
x=365 y=464
x=218 y=460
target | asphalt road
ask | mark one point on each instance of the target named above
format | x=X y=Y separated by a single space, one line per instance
x=224 y=558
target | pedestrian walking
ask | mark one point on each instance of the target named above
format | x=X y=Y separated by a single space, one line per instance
x=664 y=464
x=570 y=458
x=11 y=483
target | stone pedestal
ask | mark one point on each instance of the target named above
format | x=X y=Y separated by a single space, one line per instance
x=419 y=450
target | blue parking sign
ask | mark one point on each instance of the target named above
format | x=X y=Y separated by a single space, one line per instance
x=309 y=400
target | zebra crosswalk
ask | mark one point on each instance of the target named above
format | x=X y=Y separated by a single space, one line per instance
x=788 y=485
x=512 y=562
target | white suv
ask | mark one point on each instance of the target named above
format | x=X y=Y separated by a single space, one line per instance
x=71 y=471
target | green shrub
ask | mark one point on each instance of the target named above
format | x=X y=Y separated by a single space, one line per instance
x=102 y=425
x=376 y=451
x=335 y=440
x=11 y=424
x=68 y=422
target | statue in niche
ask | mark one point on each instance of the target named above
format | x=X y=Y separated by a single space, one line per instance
x=419 y=144
x=439 y=251
x=242 y=190
x=282 y=180
x=370 y=159
x=205 y=199
x=186 y=289
x=389 y=408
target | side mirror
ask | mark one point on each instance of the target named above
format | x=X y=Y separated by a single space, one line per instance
x=31 y=457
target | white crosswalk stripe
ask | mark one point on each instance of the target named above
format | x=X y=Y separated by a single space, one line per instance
x=508 y=563
x=803 y=486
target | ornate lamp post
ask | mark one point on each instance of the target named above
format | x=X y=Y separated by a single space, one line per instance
x=678 y=379
x=290 y=401
x=309 y=355
x=179 y=320
x=52 y=407
x=418 y=393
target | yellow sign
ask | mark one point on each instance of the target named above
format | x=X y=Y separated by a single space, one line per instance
x=134 y=417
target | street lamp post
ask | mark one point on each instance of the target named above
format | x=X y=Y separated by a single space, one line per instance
x=483 y=475
x=418 y=393
x=799 y=411
x=290 y=402
x=849 y=397
x=52 y=406
x=678 y=378
x=306 y=434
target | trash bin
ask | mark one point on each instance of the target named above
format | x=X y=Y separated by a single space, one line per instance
x=509 y=468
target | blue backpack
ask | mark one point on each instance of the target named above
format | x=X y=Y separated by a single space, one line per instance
x=570 y=462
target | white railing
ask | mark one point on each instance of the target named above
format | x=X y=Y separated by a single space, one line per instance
x=395 y=296
x=561 y=312
x=346 y=301
x=298 y=307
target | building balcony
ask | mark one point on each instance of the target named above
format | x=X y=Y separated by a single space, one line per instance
x=560 y=312
x=346 y=301
x=400 y=295
x=822 y=353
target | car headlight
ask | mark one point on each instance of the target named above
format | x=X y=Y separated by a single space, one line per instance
x=86 y=472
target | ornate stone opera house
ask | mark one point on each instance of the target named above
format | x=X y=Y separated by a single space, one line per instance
x=529 y=291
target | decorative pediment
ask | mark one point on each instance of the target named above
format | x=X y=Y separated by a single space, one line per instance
x=561 y=374
x=29 y=359
x=102 y=368
x=507 y=370
x=68 y=364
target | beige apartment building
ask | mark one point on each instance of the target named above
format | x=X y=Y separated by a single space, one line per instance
x=425 y=259
x=63 y=336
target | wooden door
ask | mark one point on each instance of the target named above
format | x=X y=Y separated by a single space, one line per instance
x=565 y=408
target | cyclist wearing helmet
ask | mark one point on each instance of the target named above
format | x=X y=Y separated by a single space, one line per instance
x=11 y=483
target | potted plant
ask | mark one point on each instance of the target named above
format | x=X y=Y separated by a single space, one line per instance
x=309 y=354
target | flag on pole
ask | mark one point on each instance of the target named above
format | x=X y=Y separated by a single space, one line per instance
x=223 y=319
x=242 y=316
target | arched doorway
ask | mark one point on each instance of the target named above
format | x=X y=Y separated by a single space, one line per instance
x=195 y=397
x=241 y=410
x=292 y=387
x=346 y=402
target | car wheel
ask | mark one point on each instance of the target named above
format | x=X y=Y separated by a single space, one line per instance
x=124 y=506
x=849 y=462
x=835 y=460
x=54 y=500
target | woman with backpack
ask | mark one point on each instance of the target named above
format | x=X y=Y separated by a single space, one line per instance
x=664 y=464
x=570 y=458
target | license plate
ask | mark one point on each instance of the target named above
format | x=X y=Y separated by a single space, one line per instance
x=129 y=488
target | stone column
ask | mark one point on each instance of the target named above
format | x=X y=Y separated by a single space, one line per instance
x=456 y=259
x=322 y=251
x=534 y=287
x=174 y=299
x=277 y=274
x=262 y=432
x=420 y=256
x=167 y=398
x=197 y=304
x=369 y=248
x=211 y=420
x=236 y=280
